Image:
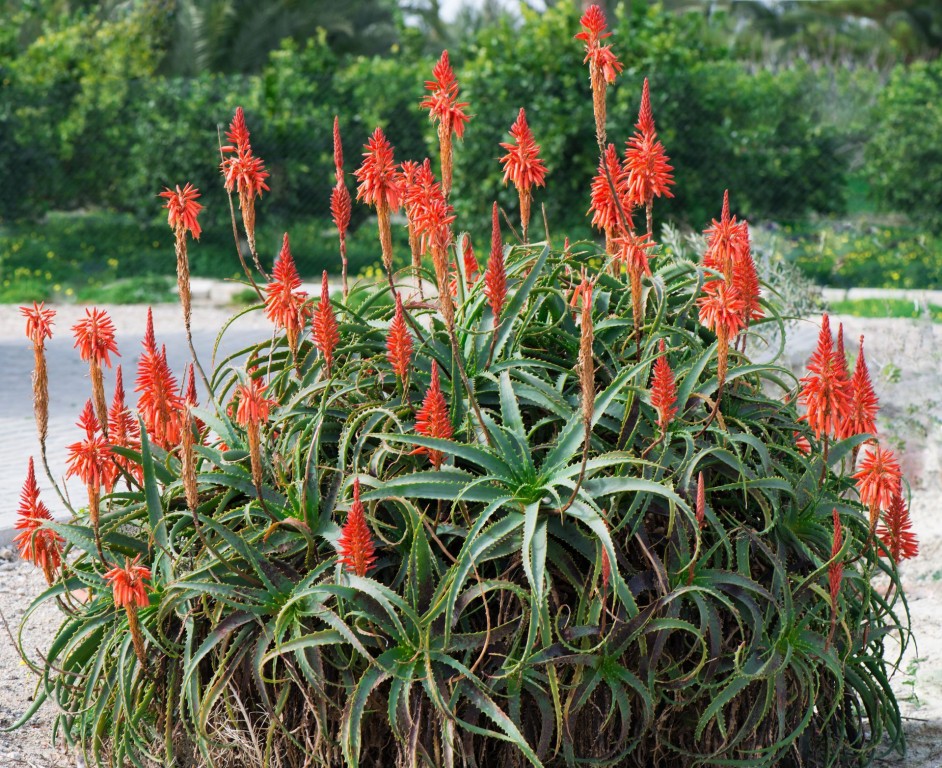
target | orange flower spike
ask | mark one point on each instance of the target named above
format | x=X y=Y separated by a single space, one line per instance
x=95 y=336
x=95 y=340
x=355 y=545
x=445 y=109
x=90 y=459
x=523 y=166
x=182 y=216
x=123 y=429
x=663 y=389
x=325 y=332
x=726 y=240
x=379 y=187
x=721 y=311
x=433 y=419
x=646 y=162
x=39 y=322
x=878 y=478
x=470 y=262
x=631 y=250
x=495 y=274
x=285 y=304
x=243 y=172
x=604 y=66
x=159 y=403
x=746 y=279
x=399 y=343
x=36 y=543
x=182 y=209
x=127 y=584
x=338 y=152
x=895 y=531
x=253 y=410
x=864 y=404
x=825 y=391
x=604 y=206
x=130 y=592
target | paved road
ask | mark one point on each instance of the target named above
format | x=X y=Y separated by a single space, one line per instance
x=69 y=386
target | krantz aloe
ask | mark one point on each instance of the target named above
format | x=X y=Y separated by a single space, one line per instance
x=553 y=515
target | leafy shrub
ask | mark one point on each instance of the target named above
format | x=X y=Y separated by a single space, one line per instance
x=403 y=535
x=903 y=157
x=863 y=254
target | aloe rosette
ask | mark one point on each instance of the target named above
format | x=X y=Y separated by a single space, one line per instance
x=482 y=539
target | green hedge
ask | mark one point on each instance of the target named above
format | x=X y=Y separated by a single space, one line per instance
x=112 y=136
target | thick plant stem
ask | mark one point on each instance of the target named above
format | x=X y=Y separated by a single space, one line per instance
x=98 y=395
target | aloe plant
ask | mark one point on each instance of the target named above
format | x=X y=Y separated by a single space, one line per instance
x=542 y=585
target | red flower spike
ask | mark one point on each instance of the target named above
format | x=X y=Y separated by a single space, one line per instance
x=878 y=478
x=470 y=262
x=721 y=309
x=495 y=276
x=123 y=429
x=840 y=354
x=238 y=134
x=399 y=342
x=726 y=240
x=663 y=389
x=523 y=166
x=522 y=163
x=645 y=122
x=746 y=279
x=646 y=162
x=631 y=250
x=285 y=305
x=825 y=391
x=701 y=501
x=895 y=531
x=36 y=543
x=433 y=419
x=601 y=57
x=253 y=408
x=325 y=332
x=604 y=206
x=863 y=400
x=340 y=208
x=442 y=103
x=95 y=336
x=182 y=209
x=356 y=547
x=159 y=403
x=338 y=151
x=377 y=174
x=39 y=322
x=127 y=584
x=242 y=170
x=90 y=459
x=836 y=567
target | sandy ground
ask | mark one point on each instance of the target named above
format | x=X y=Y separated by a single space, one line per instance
x=905 y=358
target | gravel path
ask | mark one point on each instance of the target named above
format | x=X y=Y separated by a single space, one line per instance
x=904 y=356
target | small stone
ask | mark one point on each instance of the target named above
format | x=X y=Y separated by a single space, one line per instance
x=7 y=554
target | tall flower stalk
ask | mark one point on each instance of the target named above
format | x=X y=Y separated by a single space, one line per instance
x=285 y=303
x=445 y=109
x=433 y=419
x=95 y=340
x=40 y=545
x=604 y=66
x=379 y=187
x=182 y=213
x=495 y=277
x=523 y=167
x=340 y=205
x=357 y=552
x=130 y=592
x=245 y=174
x=646 y=162
x=325 y=332
x=253 y=411
x=39 y=322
